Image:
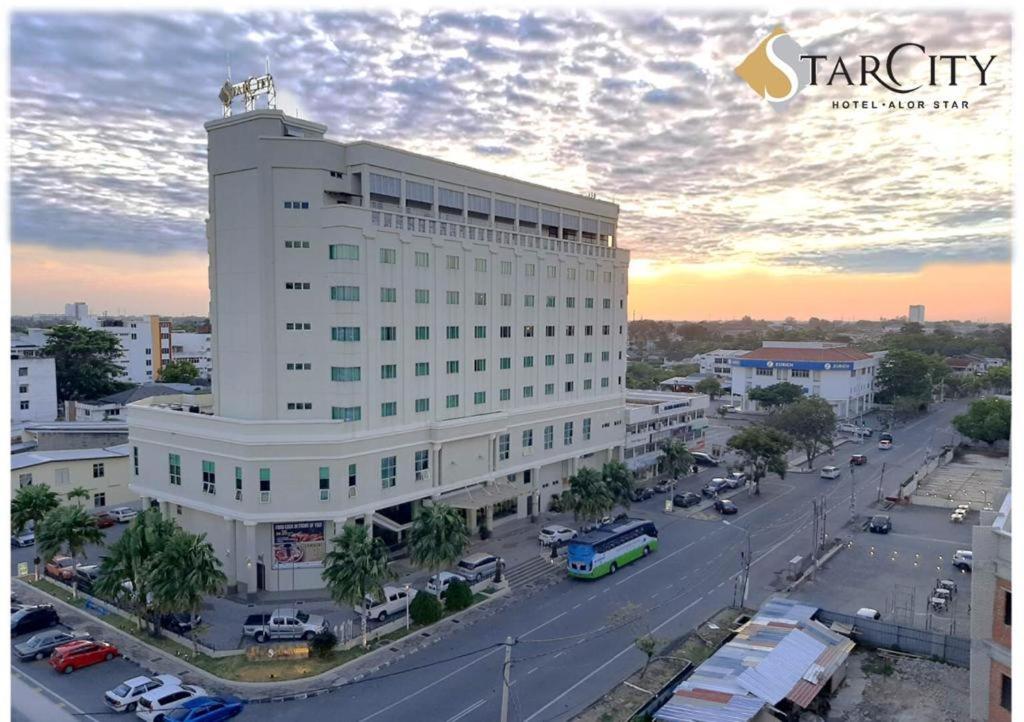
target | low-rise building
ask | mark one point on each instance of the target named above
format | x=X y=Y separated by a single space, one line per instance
x=718 y=363
x=63 y=435
x=842 y=375
x=654 y=417
x=103 y=472
x=991 y=622
x=33 y=385
x=112 y=406
x=193 y=348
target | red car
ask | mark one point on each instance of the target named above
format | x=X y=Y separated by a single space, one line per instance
x=104 y=521
x=69 y=657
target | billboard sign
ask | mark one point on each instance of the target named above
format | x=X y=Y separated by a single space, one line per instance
x=299 y=545
x=802 y=365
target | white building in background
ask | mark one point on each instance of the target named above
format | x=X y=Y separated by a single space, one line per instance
x=33 y=384
x=194 y=348
x=654 y=417
x=79 y=310
x=146 y=341
x=840 y=374
x=718 y=363
x=388 y=328
x=916 y=314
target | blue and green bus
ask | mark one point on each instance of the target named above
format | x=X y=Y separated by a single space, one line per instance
x=605 y=550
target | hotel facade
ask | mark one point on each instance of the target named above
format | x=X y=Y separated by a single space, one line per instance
x=388 y=328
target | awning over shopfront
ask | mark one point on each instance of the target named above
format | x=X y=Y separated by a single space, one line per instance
x=481 y=495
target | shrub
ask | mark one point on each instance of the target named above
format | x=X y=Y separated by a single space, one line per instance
x=555 y=504
x=425 y=609
x=322 y=644
x=459 y=596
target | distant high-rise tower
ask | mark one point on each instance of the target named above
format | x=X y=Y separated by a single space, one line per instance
x=916 y=314
x=77 y=310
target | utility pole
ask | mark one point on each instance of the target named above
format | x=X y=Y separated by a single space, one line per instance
x=881 y=477
x=506 y=669
x=853 y=501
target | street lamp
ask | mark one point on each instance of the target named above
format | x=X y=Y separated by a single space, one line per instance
x=407 y=607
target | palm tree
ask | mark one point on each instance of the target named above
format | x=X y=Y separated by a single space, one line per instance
x=130 y=559
x=30 y=506
x=438 y=537
x=70 y=528
x=183 y=573
x=588 y=496
x=355 y=566
x=79 y=492
x=619 y=480
x=676 y=459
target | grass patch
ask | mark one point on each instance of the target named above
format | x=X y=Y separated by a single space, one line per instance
x=874 y=664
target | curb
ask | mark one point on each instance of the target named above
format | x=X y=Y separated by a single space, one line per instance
x=236 y=685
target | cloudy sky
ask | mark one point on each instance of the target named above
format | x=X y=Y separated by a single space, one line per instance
x=729 y=207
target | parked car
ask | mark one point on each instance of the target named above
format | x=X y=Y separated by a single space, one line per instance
x=713 y=487
x=734 y=481
x=641 y=493
x=33 y=618
x=207 y=709
x=86 y=577
x=830 y=472
x=284 y=623
x=25 y=538
x=664 y=486
x=885 y=436
x=75 y=655
x=125 y=696
x=963 y=559
x=729 y=408
x=439 y=583
x=868 y=613
x=61 y=567
x=858 y=460
x=884 y=444
x=123 y=514
x=39 y=646
x=686 y=499
x=180 y=622
x=849 y=428
x=104 y=520
x=724 y=506
x=394 y=603
x=556 y=534
x=477 y=566
x=880 y=524
x=703 y=459
x=154 y=706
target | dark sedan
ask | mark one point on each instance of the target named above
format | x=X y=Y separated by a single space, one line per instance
x=858 y=460
x=180 y=623
x=40 y=645
x=880 y=524
x=32 y=619
x=724 y=506
x=642 y=493
x=686 y=499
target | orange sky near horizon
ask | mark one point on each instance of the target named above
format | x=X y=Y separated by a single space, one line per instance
x=43 y=280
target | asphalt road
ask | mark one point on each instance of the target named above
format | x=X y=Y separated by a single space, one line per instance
x=567 y=652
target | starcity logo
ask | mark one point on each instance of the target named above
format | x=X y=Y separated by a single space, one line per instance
x=779 y=68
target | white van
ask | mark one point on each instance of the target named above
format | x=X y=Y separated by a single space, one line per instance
x=963 y=559
x=830 y=472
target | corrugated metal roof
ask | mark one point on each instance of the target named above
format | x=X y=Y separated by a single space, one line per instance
x=739 y=708
x=807 y=688
x=782 y=667
x=21 y=461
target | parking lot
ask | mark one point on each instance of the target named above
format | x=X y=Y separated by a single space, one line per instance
x=895 y=573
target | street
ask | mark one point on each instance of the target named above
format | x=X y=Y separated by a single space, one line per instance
x=572 y=643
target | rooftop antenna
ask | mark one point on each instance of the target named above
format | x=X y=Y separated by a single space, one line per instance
x=249 y=89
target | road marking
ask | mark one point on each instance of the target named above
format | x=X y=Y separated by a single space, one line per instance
x=591 y=597
x=469 y=709
x=539 y=626
x=578 y=605
x=626 y=649
x=436 y=682
x=533 y=670
x=60 y=700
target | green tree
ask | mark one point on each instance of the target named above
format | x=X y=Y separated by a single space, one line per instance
x=80 y=493
x=458 y=596
x=182 y=573
x=588 y=496
x=355 y=566
x=776 y=395
x=649 y=646
x=425 y=609
x=811 y=423
x=68 y=529
x=986 y=420
x=676 y=459
x=29 y=507
x=178 y=372
x=710 y=386
x=904 y=374
x=86 y=362
x=130 y=559
x=998 y=379
x=763 y=450
x=620 y=482
x=438 y=536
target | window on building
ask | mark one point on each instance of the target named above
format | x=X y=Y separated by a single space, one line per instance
x=569 y=385
x=606 y=303
x=422 y=259
x=174 y=461
x=528 y=438
x=570 y=330
x=480 y=397
x=505 y=363
x=423 y=368
x=135 y=460
x=238 y=483
x=264 y=485
x=23 y=405
x=528 y=300
x=345 y=333
x=300 y=405
x=549 y=437
x=23 y=389
x=505 y=332
x=98 y=471
x=567 y=433
x=346 y=373
x=325 y=483
x=588 y=357
x=343 y=252
x=1005 y=693
x=528 y=392
x=549 y=389
x=389 y=371
x=588 y=384
x=504 y=445
x=552 y=272
x=530 y=269
x=344 y=293
x=99 y=499
x=388 y=255
x=506 y=268
x=528 y=331
x=452 y=332
x=605 y=356
x=388 y=471
x=586 y=429
x=1007 y=607
x=479 y=332
x=421 y=464
x=506 y=299
x=480 y=364
x=570 y=358
x=388 y=295
x=588 y=330
x=422 y=295
x=550 y=302
x=423 y=333
x=62 y=477
x=388 y=333
x=452 y=298
x=422 y=405
x=480 y=264
x=352 y=476
x=588 y=302
x=527 y=362
x=504 y=394
x=570 y=302
x=209 y=477
x=23 y=371
x=452 y=401
x=480 y=299
x=346 y=413
x=389 y=408
x=296 y=285
x=452 y=367
x=453 y=263
x=25 y=479
x=549 y=331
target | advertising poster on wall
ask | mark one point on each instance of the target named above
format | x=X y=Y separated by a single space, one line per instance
x=299 y=545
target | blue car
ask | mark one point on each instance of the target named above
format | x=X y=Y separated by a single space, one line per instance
x=206 y=709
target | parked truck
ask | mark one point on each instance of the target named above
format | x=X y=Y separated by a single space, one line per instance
x=283 y=624
x=394 y=603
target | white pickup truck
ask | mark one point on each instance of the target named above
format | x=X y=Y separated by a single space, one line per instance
x=283 y=624
x=394 y=603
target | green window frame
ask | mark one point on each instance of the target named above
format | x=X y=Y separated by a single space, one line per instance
x=346 y=373
x=343 y=252
x=344 y=293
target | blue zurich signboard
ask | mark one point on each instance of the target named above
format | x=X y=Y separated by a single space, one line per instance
x=802 y=365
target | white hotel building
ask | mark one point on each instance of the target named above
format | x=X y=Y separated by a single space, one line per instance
x=387 y=328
